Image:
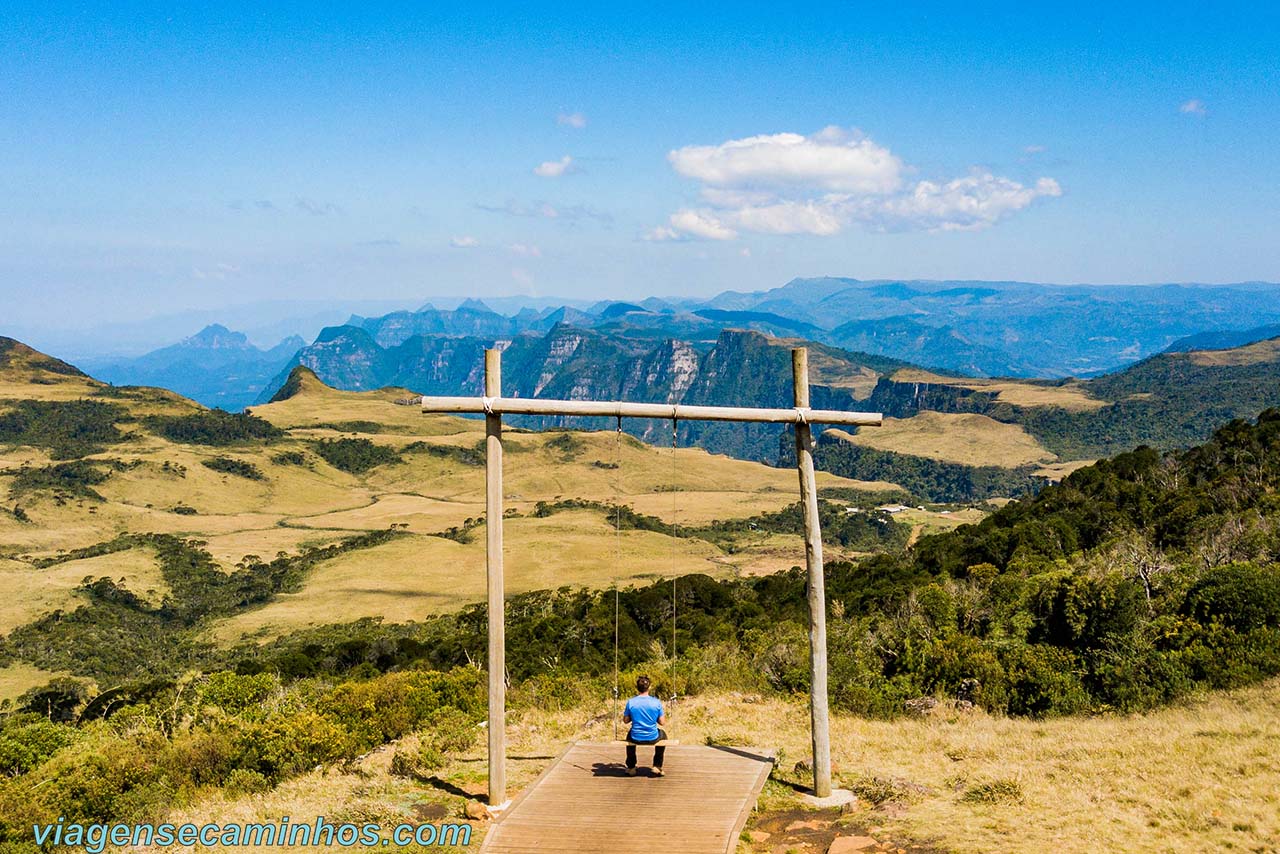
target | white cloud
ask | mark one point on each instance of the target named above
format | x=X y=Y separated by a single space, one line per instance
x=701 y=224
x=554 y=168
x=965 y=204
x=525 y=250
x=545 y=210
x=662 y=233
x=1034 y=149
x=687 y=224
x=572 y=120
x=466 y=241
x=1193 y=107
x=831 y=160
x=791 y=184
x=820 y=216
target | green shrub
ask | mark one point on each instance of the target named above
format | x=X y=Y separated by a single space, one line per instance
x=290 y=742
x=234 y=693
x=355 y=455
x=1002 y=791
x=213 y=427
x=75 y=478
x=388 y=707
x=60 y=699
x=28 y=740
x=1044 y=681
x=239 y=468
x=1242 y=596
x=67 y=429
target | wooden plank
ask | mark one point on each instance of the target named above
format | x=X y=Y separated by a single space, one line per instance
x=585 y=802
x=495 y=405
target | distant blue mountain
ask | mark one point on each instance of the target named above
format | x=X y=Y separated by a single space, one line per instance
x=216 y=367
x=980 y=328
x=1224 y=340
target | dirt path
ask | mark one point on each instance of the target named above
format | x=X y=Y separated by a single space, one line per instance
x=818 y=831
x=916 y=531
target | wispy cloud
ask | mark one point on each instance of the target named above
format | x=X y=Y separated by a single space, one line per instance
x=572 y=120
x=465 y=241
x=315 y=208
x=1193 y=107
x=546 y=210
x=792 y=184
x=1034 y=149
x=525 y=250
x=522 y=277
x=217 y=273
x=554 y=168
x=260 y=204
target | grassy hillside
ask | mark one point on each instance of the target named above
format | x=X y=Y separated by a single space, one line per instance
x=950 y=781
x=221 y=605
x=84 y=467
x=1170 y=400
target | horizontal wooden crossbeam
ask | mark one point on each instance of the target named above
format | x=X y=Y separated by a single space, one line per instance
x=622 y=409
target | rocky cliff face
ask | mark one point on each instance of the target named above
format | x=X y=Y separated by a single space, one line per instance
x=742 y=367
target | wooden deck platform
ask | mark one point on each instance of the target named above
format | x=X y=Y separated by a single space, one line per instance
x=585 y=802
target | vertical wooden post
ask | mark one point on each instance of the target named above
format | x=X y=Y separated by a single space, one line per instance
x=817 y=584
x=497 y=600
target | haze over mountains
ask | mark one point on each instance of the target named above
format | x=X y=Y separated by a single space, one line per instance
x=216 y=366
x=974 y=328
x=869 y=342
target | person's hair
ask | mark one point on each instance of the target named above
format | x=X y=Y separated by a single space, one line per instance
x=642 y=683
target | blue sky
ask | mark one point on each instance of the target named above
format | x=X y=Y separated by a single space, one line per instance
x=155 y=159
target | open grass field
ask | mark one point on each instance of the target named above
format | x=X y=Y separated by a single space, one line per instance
x=1251 y=354
x=1071 y=396
x=163 y=487
x=15 y=679
x=1197 y=777
x=965 y=438
x=414 y=577
x=1057 y=471
x=27 y=592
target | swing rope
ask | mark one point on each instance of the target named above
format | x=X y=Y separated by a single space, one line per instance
x=617 y=539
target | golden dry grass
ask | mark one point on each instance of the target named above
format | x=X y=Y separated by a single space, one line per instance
x=299 y=506
x=18 y=385
x=1200 y=776
x=1072 y=396
x=26 y=592
x=18 y=678
x=965 y=438
x=1057 y=471
x=934 y=521
x=1250 y=354
x=413 y=577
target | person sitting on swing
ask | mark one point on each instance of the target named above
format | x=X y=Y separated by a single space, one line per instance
x=645 y=714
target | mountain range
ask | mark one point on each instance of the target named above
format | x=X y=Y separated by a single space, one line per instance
x=1150 y=351
x=216 y=367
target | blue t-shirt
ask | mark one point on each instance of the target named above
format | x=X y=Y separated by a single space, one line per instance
x=644 y=712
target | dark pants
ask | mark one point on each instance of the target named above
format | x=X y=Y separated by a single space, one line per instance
x=659 y=750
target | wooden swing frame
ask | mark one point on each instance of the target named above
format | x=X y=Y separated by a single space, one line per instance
x=493 y=406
